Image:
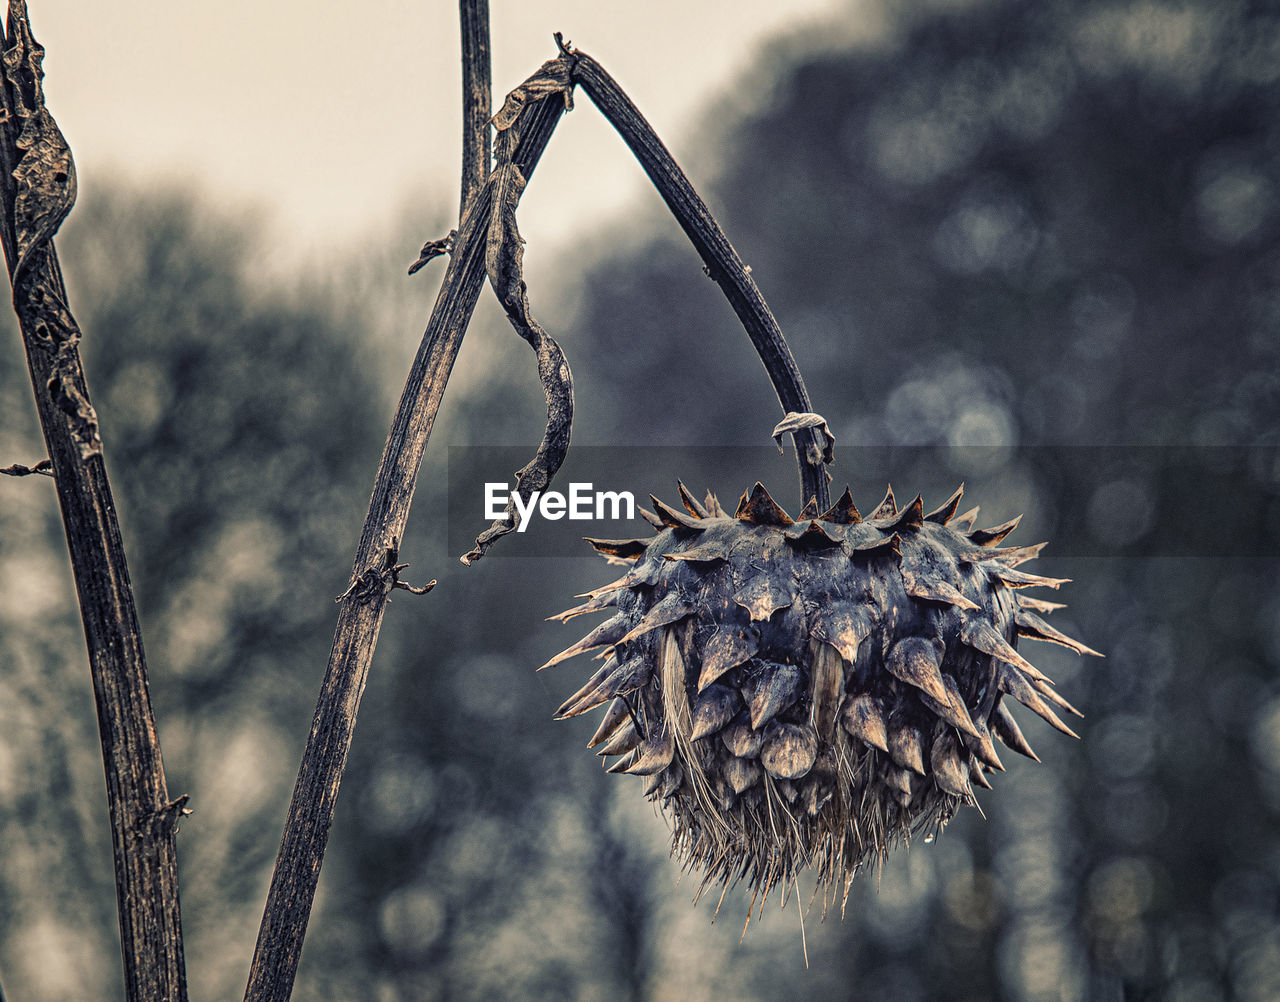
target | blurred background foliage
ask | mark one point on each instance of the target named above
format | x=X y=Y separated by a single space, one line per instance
x=999 y=223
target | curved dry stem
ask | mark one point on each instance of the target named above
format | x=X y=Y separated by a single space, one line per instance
x=722 y=262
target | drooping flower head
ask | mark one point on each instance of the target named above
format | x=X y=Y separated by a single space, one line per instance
x=809 y=692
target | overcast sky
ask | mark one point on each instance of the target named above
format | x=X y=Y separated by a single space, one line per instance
x=330 y=123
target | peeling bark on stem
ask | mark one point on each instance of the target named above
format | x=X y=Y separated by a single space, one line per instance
x=37 y=181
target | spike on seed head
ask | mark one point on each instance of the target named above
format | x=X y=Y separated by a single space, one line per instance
x=843 y=512
x=992 y=536
x=812 y=535
x=760 y=509
x=794 y=706
x=910 y=517
x=1008 y=731
x=626 y=549
x=651 y=518
x=976 y=775
x=948 y=510
x=617 y=714
x=673 y=519
x=863 y=718
x=886 y=508
x=690 y=502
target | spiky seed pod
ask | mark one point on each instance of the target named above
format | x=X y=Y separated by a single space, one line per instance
x=809 y=692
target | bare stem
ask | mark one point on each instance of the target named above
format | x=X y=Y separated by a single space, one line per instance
x=306 y=833
x=477 y=98
x=38 y=188
x=721 y=260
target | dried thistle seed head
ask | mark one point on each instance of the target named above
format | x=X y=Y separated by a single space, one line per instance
x=808 y=693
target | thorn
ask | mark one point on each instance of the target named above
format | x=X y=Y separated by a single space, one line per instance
x=623 y=764
x=628 y=549
x=931 y=589
x=880 y=547
x=984 y=747
x=607 y=633
x=885 y=508
x=911 y=517
x=1033 y=627
x=673 y=519
x=704 y=553
x=772 y=691
x=949 y=771
x=812 y=536
x=625 y=740
x=617 y=715
x=917 y=661
x=1020 y=579
x=742 y=741
x=906 y=747
x=741 y=773
x=762 y=596
x=690 y=502
x=672 y=608
x=1012 y=556
x=947 y=512
x=863 y=718
x=954 y=711
x=653 y=756
x=982 y=636
x=844 y=626
x=760 y=509
x=714 y=708
x=843 y=512
x=727 y=648
x=1008 y=731
x=588 y=690
x=1038 y=605
x=1013 y=682
x=651 y=518
x=597 y=604
x=899 y=780
x=992 y=536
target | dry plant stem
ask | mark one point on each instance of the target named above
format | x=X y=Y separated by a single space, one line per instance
x=477 y=98
x=721 y=260
x=297 y=869
x=143 y=819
